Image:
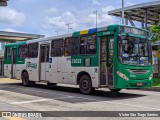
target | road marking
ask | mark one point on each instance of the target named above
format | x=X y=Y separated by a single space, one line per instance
x=63 y=97
x=34 y=90
x=118 y=103
x=30 y=101
x=48 y=93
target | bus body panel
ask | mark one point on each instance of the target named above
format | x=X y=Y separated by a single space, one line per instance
x=32 y=67
x=20 y=68
x=61 y=71
x=93 y=72
x=54 y=76
x=134 y=79
x=7 y=70
x=64 y=66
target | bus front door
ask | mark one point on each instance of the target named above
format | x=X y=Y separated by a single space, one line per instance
x=103 y=68
x=106 y=61
x=110 y=45
x=44 y=62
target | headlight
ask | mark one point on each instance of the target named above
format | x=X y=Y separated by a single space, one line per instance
x=150 y=77
x=122 y=75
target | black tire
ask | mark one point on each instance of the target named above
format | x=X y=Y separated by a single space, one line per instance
x=51 y=84
x=85 y=85
x=25 y=80
x=115 y=90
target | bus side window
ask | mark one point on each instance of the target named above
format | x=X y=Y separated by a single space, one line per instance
x=57 y=48
x=67 y=47
x=88 y=44
x=22 y=51
x=8 y=53
x=33 y=50
x=71 y=46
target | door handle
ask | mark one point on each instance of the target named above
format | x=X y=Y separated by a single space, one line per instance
x=47 y=71
x=58 y=71
x=30 y=70
x=17 y=70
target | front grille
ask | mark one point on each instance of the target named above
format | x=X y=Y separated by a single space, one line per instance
x=138 y=71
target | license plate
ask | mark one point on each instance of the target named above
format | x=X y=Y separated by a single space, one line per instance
x=139 y=84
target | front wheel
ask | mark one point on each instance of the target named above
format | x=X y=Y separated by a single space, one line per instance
x=85 y=84
x=115 y=90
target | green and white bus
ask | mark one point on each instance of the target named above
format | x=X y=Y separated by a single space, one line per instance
x=116 y=56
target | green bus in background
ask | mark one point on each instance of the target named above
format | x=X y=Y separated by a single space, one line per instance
x=116 y=56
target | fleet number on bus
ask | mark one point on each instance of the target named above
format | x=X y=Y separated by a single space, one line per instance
x=76 y=61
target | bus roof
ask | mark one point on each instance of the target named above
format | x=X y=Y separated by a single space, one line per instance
x=83 y=32
x=49 y=38
x=15 y=44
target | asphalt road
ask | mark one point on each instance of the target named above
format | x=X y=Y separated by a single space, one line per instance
x=15 y=97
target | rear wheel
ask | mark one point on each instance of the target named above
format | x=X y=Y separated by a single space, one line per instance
x=51 y=84
x=115 y=90
x=25 y=80
x=85 y=85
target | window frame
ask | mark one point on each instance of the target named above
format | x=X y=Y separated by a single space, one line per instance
x=87 y=44
x=52 y=47
x=10 y=53
x=73 y=45
x=28 y=49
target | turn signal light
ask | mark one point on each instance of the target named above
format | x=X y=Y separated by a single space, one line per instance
x=150 y=77
x=122 y=75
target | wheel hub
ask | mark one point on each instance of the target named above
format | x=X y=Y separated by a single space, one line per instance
x=85 y=84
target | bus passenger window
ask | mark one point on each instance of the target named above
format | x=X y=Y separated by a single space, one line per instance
x=33 y=50
x=88 y=44
x=67 y=46
x=8 y=53
x=71 y=46
x=22 y=51
x=57 y=48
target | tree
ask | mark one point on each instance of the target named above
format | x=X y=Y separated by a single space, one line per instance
x=155 y=29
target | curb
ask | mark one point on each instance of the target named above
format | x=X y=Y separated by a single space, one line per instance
x=154 y=88
x=2 y=76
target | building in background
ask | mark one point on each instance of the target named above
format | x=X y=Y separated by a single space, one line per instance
x=10 y=37
x=3 y=3
x=3 y=45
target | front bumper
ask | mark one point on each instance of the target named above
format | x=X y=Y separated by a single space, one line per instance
x=133 y=84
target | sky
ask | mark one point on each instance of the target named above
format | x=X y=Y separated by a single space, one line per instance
x=45 y=17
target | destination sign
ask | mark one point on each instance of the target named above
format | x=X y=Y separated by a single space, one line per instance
x=131 y=30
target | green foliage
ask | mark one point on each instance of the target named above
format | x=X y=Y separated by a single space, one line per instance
x=155 y=29
x=156 y=81
x=158 y=52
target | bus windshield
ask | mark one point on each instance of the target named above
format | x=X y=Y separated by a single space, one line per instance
x=134 y=51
